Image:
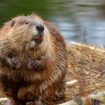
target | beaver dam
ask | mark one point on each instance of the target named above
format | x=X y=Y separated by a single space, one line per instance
x=85 y=79
x=86 y=73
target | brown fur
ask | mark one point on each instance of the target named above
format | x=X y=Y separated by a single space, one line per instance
x=24 y=84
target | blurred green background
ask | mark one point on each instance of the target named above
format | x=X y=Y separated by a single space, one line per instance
x=78 y=20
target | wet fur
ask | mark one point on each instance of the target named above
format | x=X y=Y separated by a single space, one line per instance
x=24 y=84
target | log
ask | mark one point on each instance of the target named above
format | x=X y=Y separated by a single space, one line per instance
x=97 y=97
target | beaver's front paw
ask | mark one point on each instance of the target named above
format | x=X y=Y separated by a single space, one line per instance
x=13 y=62
x=35 y=64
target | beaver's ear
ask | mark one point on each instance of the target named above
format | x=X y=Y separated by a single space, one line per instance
x=12 y=23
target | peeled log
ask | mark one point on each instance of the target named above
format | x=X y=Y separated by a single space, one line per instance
x=100 y=96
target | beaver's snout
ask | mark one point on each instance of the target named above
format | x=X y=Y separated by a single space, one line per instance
x=38 y=38
x=40 y=29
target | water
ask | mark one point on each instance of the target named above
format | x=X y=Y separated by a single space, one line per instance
x=77 y=20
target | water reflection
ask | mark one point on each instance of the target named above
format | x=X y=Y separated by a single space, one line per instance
x=78 y=20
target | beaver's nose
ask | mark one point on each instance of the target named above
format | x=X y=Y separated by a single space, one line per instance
x=40 y=29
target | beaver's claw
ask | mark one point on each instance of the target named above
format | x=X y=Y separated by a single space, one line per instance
x=13 y=63
x=34 y=64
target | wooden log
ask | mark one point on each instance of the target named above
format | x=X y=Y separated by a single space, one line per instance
x=97 y=97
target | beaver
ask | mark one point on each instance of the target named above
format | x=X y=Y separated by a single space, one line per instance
x=33 y=60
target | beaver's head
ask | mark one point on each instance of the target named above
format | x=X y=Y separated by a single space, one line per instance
x=26 y=32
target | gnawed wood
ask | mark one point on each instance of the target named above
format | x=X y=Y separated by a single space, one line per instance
x=99 y=97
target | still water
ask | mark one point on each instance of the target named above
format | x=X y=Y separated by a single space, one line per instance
x=77 y=20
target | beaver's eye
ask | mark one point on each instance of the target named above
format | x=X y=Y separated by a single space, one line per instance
x=12 y=23
x=26 y=23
